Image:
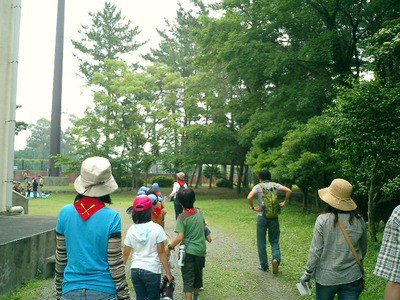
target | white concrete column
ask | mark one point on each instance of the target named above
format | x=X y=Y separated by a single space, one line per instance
x=10 y=15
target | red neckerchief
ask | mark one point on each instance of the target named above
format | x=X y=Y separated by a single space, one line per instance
x=156 y=211
x=87 y=207
x=190 y=211
x=181 y=182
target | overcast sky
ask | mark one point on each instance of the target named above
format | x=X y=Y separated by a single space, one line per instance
x=37 y=44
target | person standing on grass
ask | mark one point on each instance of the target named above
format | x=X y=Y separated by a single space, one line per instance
x=40 y=187
x=146 y=239
x=266 y=224
x=388 y=262
x=35 y=185
x=89 y=261
x=190 y=232
x=330 y=260
x=178 y=185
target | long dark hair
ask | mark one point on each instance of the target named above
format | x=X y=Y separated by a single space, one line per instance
x=140 y=217
x=104 y=199
x=352 y=214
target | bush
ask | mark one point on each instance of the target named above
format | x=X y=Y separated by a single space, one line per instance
x=140 y=182
x=223 y=182
x=163 y=181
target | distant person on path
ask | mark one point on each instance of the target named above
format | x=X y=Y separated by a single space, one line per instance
x=388 y=262
x=330 y=259
x=178 y=185
x=89 y=262
x=156 y=190
x=25 y=176
x=190 y=232
x=146 y=239
x=267 y=223
x=40 y=187
x=35 y=185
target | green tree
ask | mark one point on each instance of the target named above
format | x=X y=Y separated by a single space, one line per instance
x=366 y=120
x=108 y=37
x=305 y=158
x=288 y=55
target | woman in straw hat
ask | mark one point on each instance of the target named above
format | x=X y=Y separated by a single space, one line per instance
x=330 y=260
x=89 y=261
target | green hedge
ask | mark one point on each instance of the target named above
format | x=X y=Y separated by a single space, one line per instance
x=163 y=181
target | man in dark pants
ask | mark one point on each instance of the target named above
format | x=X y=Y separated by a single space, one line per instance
x=267 y=223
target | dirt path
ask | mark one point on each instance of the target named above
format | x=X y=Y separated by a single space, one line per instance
x=231 y=270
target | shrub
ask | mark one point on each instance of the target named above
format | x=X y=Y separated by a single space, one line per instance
x=223 y=182
x=140 y=182
x=163 y=181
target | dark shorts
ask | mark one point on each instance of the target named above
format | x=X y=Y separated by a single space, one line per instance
x=192 y=272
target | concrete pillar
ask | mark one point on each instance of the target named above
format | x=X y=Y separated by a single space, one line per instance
x=55 y=135
x=10 y=15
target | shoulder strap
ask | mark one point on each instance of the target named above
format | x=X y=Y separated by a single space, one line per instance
x=351 y=246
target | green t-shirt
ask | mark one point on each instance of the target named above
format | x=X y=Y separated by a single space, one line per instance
x=192 y=227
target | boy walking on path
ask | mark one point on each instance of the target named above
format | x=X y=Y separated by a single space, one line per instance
x=190 y=232
x=268 y=222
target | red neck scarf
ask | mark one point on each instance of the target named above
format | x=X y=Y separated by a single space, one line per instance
x=87 y=207
x=181 y=182
x=190 y=211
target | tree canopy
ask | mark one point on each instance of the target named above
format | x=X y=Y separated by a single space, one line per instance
x=308 y=89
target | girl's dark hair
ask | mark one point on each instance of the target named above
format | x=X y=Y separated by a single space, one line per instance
x=186 y=198
x=140 y=217
x=104 y=199
x=353 y=214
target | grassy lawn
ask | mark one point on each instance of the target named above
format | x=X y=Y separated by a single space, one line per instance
x=228 y=216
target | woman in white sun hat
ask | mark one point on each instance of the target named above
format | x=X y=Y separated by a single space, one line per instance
x=330 y=260
x=89 y=261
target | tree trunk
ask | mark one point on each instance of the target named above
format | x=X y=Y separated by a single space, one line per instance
x=240 y=176
x=317 y=201
x=246 y=176
x=223 y=170
x=190 y=183
x=305 y=199
x=199 y=180
x=372 y=193
x=232 y=172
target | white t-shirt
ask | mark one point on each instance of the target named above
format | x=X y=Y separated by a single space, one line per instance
x=175 y=188
x=143 y=239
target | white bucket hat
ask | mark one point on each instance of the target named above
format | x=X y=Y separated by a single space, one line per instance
x=338 y=195
x=96 y=179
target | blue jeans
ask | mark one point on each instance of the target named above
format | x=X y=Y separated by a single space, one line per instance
x=270 y=226
x=146 y=284
x=85 y=294
x=348 y=291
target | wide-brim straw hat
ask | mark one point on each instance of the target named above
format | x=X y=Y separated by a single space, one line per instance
x=338 y=195
x=180 y=175
x=96 y=179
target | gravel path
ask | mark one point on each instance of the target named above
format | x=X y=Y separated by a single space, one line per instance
x=238 y=262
